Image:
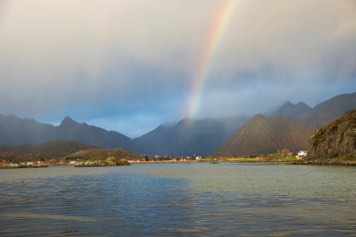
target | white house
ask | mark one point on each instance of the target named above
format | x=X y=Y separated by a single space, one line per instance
x=302 y=154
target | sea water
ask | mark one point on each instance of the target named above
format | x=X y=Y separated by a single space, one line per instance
x=179 y=199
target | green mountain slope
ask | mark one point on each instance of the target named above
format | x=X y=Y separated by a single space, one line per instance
x=263 y=135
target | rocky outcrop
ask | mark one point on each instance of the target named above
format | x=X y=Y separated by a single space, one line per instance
x=111 y=161
x=335 y=142
x=5 y=165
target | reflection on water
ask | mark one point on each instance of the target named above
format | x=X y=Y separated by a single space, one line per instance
x=46 y=216
x=179 y=200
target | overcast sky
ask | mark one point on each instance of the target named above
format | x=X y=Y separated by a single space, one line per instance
x=129 y=65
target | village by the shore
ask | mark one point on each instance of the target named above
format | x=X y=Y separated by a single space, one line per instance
x=112 y=161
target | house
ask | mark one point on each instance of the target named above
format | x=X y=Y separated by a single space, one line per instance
x=301 y=154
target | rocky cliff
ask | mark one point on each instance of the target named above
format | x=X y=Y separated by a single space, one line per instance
x=335 y=142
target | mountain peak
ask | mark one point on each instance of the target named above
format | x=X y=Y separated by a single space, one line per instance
x=68 y=121
x=290 y=109
x=258 y=117
x=301 y=103
x=287 y=103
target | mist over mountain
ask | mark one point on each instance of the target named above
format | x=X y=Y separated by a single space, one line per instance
x=16 y=131
x=73 y=131
x=290 y=127
x=321 y=113
x=290 y=109
x=331 y=109
x=189 y=136
x=263 y=135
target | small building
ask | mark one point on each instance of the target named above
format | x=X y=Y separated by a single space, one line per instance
x=302 y=154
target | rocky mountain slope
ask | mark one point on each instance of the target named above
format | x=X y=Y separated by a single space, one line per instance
x=336 y=140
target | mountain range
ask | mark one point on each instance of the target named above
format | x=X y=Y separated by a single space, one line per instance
x=16 y=131
x=288 y=127
x=189 y=136
x=289 y=109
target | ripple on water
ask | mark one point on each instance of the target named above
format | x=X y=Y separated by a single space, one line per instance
x=179 y=200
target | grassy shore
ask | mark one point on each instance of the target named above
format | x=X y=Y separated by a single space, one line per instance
x=21 y=165
x=250 y=159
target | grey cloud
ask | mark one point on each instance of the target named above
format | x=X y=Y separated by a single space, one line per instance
x=125 y=62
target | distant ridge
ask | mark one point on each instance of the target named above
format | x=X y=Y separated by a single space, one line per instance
x=290 y=109
x=189 y=136
x=16 y=131
x=48 y=150
x=331 y=109
x=290 y=127
x=71 y=130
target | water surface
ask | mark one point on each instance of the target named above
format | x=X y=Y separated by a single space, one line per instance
x=181 y=199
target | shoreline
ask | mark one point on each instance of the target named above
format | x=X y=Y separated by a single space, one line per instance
x=325 y=163
x=301 y=162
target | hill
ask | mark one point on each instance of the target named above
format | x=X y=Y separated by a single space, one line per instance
x=46 y=151
x=263 y=135
x=336 y=141
x=188 y=136
x=16 y=131
x=102 y=154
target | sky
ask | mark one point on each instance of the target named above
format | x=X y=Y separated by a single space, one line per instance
x=131 y=65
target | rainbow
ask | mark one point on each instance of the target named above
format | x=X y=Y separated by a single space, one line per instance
x=211 y=46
